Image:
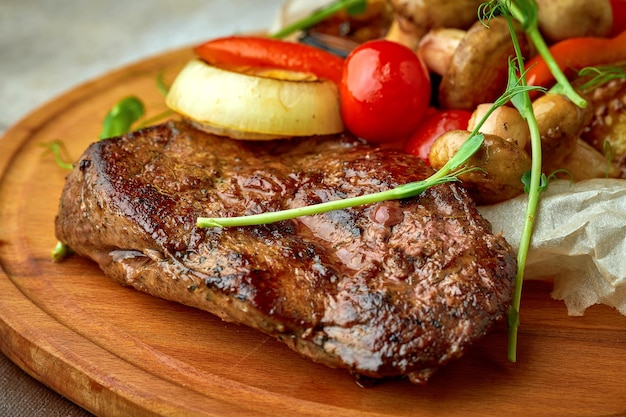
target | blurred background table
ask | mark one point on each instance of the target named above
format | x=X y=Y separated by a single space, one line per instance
x=48 y=47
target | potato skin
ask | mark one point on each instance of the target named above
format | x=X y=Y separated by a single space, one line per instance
x=478 y=70
x=560 y=123
x=505 y=121
x=562 y=19
x=502 y=164
x=424 y=15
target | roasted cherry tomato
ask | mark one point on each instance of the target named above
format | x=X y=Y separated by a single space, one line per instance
x=271 y=53
x=384 y=92
x=434 y=125
x=619 y=16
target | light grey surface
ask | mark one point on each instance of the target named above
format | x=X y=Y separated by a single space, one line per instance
x=50 y=46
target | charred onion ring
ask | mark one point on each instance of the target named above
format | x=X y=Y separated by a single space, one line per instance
x=259 y=89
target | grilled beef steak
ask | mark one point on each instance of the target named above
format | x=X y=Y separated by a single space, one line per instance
x=390 y=289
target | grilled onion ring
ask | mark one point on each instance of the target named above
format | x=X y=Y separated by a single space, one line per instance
x=253 y=104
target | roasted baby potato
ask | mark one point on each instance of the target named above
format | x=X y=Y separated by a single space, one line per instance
x=505 y=122
x=478 y=70
x=500 y=165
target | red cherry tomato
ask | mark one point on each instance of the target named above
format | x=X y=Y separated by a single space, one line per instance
x=435 y=124
x=384 y=92
x=272 y=53
x=619 y=17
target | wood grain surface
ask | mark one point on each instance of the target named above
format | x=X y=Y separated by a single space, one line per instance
x=115 y=351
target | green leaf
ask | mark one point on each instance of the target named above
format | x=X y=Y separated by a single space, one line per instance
x=121 y=117
x=526 y=181
x=513 y=317
x=519 y=99
x=543 y=183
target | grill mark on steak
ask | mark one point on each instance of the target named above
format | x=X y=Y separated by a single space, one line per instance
x=391 y=289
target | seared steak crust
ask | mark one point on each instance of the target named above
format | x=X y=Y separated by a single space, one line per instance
x=385 y=290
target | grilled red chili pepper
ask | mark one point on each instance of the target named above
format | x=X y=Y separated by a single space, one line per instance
x=577 y=53
x=265 y=52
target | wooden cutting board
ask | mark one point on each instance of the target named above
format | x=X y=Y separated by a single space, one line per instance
x=115 y=351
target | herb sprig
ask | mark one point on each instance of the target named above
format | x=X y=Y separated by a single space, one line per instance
x=526 y=12
x=598 y=76
x=59 y=151
x=448 y=173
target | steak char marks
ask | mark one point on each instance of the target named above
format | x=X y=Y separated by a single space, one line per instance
x=391 y=289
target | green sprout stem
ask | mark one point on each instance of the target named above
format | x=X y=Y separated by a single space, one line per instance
x=447 y=173
x=525 y=239
x=523 y=104
x=532 y=30
x=321 y=14
x=60 y=153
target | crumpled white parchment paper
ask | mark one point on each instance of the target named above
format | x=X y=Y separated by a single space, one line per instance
x=579 y=240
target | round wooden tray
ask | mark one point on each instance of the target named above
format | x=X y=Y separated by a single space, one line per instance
x=115 y=351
